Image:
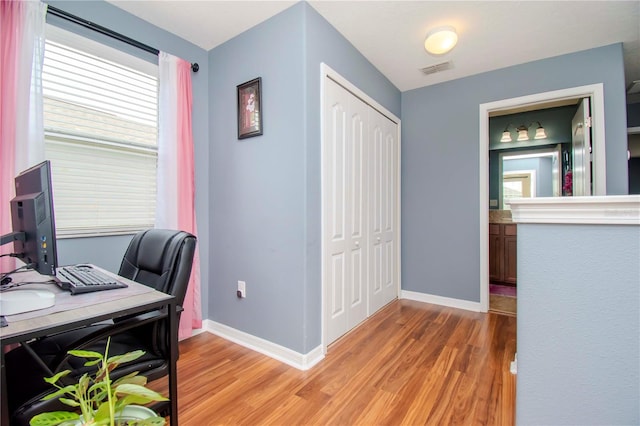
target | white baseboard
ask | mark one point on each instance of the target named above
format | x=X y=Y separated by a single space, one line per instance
x=265 y=347
x=197 y=331
x=308 y=360
x=440 y=300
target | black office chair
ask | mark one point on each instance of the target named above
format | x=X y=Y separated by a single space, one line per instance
x=158 y=258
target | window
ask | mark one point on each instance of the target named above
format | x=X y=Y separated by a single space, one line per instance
x=101 y=126
x=517 y=184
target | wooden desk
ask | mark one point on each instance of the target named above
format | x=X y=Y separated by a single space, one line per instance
x=86 y=309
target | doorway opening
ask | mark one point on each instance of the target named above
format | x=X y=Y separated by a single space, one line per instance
x=595 y=94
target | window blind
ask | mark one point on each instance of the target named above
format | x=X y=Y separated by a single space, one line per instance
x=100 y=121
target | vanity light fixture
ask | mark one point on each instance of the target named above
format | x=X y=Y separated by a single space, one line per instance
x=540 y=133
x=506 y=135
x=441 y=40
x=523 y=132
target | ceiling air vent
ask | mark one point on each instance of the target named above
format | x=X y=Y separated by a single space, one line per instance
x=436 y=68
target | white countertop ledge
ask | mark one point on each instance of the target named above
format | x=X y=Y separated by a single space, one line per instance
x=605 y=210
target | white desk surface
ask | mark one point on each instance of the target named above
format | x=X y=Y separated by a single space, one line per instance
x=68 y=308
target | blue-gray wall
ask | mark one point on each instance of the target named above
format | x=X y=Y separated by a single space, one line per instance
x=440 y=161
x=578 y=325
x=265 y=191
x=108 y=251
x=257 y=185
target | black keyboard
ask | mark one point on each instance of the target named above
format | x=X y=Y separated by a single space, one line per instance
x=84 y=279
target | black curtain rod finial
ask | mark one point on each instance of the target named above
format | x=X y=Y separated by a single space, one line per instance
x=195 y=67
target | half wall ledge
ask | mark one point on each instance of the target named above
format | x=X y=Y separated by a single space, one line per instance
x=609 y=210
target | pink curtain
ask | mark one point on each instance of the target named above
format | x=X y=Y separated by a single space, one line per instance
x=176 y=182
x=11 y=20
x=21 y=132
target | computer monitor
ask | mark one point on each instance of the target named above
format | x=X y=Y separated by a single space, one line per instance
x=33 y=221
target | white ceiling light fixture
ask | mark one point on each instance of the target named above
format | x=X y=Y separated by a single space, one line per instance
x=441 y=40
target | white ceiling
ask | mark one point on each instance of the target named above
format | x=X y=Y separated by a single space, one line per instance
x=390 y=34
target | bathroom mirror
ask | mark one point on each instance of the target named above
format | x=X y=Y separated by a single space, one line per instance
x=530 y=173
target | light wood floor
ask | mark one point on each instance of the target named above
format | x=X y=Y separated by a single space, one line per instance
x=503 y=304
x=412 y=363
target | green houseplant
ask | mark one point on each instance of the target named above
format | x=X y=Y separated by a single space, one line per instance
x=100 y=400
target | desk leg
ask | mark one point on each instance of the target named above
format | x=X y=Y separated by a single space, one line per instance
x=173 y=368
x=4 y=412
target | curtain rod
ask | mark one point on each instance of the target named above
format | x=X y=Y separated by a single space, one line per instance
x=106 y=31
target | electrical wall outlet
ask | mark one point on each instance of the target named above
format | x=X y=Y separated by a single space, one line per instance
x=242 y=289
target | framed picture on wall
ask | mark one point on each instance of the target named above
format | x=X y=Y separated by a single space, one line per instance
x=250 y=109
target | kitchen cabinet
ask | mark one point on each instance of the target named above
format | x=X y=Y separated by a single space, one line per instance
x=502 y=253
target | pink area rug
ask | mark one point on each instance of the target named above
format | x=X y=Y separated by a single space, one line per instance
x=502 y=290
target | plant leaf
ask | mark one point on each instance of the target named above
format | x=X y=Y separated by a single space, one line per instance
x=67 y=389
x=53 y=418
x=83 y=383
x=85 y=354
x=100 y=374
x=140 y=391
x=91 y=363
x=98 y=393
x=129 y=356
x=131 y=400
x=98 y=386
x=132 y=378
x=51 y=380
x=70 y=402
x=102 y=412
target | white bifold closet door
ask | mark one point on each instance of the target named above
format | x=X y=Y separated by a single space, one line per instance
x=359 y=208
x=384 y=172
x=346 y=211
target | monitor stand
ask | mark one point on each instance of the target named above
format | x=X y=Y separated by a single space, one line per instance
x=19 y=301
x=11 y=237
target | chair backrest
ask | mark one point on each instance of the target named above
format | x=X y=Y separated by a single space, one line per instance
x=162 y=259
